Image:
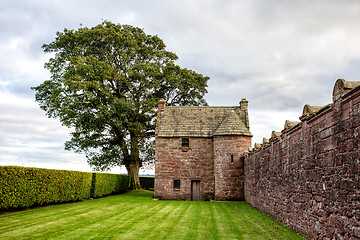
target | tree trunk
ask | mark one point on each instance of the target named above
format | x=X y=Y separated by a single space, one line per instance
x=134 y=162
x=133 y=171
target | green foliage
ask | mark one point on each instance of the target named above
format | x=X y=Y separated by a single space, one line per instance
x=147 y=183
x=105 y=84
x=25 y=187
x=105 y=183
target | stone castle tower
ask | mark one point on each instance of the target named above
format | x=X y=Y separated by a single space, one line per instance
x=198 y=152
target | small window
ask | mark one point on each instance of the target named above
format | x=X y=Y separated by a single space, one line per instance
x=185 y=142
x=232 y=158
x=177 y=184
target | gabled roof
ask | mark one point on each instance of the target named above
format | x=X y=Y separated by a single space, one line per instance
x=232 y=125
x=202 y=121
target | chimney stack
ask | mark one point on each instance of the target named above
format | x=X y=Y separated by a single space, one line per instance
x=243 y=104
x=161 y=105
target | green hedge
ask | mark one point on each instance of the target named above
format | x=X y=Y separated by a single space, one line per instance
x=147 y=182
x=25 y=187
x=105 y=183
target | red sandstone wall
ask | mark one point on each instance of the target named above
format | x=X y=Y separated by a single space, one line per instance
x=229 y=176
x=172 y=163
x=310 y=179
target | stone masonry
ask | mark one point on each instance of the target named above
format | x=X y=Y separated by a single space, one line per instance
x=229 y=178
x=308 y=176
x=175 y=164
x=198 y=152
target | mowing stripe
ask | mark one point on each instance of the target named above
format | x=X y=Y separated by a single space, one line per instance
x=171 y=224
x=214 y=226
x=230 y=223
x=117 y=223
x=130 y=229
x=135 y=216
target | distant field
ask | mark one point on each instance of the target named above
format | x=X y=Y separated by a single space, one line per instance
x=135 y=216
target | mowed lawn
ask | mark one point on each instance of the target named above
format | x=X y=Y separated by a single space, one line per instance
x=134 y=215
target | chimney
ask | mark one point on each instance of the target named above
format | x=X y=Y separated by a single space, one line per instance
x=243 y=104
x=161 y=105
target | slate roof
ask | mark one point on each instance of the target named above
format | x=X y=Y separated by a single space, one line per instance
x=231 y=125
x=202 y=121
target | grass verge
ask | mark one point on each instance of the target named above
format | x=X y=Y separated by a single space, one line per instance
x=134 y=215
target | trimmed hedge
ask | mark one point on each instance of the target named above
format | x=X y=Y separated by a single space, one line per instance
x=147 y=183
x=105 y=183
x=25 y=187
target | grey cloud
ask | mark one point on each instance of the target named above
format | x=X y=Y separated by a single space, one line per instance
x=278 y=54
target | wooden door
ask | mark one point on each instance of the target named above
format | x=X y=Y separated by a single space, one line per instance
x=195 y=190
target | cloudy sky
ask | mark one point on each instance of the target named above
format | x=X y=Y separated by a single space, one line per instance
x=279 y=54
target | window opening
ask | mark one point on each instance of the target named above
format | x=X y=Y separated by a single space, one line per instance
x=185 y=142
x=232 y=158
x=177 y=184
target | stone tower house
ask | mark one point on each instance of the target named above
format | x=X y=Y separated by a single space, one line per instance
x=198 y=152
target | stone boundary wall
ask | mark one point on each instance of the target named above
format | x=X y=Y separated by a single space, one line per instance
x=308 y=176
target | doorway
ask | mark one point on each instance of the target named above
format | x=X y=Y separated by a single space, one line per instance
x=195 y=190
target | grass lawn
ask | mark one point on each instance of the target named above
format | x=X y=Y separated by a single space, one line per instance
x=134 y=215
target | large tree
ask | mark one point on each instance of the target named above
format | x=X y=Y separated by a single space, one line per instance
x=105 y=84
